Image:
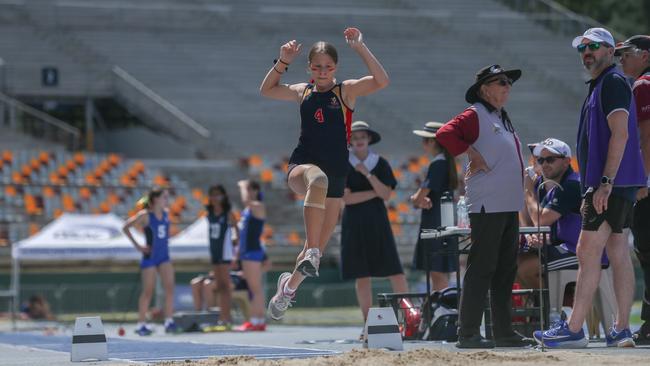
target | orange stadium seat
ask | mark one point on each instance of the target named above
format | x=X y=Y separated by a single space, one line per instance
x=63 y=171
x=114 y=159
x=423 y=160
x=266 y=176
x=31 y=205
x=44 y=157
x=55 y=179
x=138 y=166
x=414 y=167
x=267 y=235
x=26 y=170
x=57 y=213
x=403 y=207
x=113 y=199
x=104 y=207
x=294 y=238
x=255 y=161
x=10 y=191
x=160 y=181
x=197 y=194
x=71 y=165
x=7 y=156
x=79 y=158
x=85 y=193
x=17 y=178
x=33 y=228
x=35 y=164
x=48 y=192
x=127 y=180
x=92 y=179
x=574 y=164
x=68 y=203
x=393 y=215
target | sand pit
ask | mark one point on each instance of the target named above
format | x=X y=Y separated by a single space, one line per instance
x=433 y=357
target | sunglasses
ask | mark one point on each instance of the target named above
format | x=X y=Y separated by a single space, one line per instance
x=593 y=46
x=632 y=52
x=501 y=81
x=548 y=159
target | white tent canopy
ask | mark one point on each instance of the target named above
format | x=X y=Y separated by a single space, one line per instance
x=191 y=243
x=80 y=237
x=100 y=237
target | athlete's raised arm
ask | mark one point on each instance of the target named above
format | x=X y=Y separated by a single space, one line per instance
x=378 y=78
x=271 y=87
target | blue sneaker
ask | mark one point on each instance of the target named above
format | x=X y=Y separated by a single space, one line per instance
x=143 y=330
x=620 y=339
x=559 y=336
x=172 y=328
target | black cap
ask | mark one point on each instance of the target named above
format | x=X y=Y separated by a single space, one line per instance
x=640 y=41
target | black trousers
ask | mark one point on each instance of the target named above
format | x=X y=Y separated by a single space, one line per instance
x=641 y=231
x=492 y=264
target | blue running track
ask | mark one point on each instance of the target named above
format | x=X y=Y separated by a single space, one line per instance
x=155 y=351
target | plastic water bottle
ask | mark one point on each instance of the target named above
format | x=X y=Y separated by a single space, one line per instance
x=462 y=213
x=446 y=210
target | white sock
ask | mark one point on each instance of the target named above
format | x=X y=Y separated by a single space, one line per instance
x=168 y=321
x=288 y=290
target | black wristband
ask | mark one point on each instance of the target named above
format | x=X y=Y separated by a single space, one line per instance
x=275 y=62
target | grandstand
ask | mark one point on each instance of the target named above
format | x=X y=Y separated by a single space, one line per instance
x=171 y=79
x=207 y=59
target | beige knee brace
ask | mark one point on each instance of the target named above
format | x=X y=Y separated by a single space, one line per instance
x=316 y=182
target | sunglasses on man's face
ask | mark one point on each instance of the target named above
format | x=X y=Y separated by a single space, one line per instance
x=548 y=159
x=501 y=81
x=593 y=46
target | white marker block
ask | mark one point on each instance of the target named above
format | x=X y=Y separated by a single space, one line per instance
x=88 y=340
x=382 y=330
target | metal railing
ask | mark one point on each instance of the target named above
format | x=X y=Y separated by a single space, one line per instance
x=142 y=100
x=27 y=119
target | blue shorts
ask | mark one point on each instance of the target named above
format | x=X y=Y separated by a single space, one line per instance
x=153 y=262
x=254 y=255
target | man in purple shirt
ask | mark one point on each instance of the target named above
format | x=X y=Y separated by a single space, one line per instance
x=607 y=135
x=558 y=202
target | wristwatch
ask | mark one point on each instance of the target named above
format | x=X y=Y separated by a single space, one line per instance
x=605 y=180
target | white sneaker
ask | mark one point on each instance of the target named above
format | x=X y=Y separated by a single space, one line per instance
x=281 y=301
x=308 y=266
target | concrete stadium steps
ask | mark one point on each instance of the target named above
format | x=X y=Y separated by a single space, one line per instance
x=25 y=54
x=208 y=59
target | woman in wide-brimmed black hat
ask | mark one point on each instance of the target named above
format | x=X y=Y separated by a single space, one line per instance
x=367 y=244
x=494 y=196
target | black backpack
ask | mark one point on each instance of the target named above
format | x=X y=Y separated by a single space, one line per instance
x=442 y=308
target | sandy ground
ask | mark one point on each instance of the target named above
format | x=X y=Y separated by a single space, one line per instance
x=435 y=357
x=351 y=353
